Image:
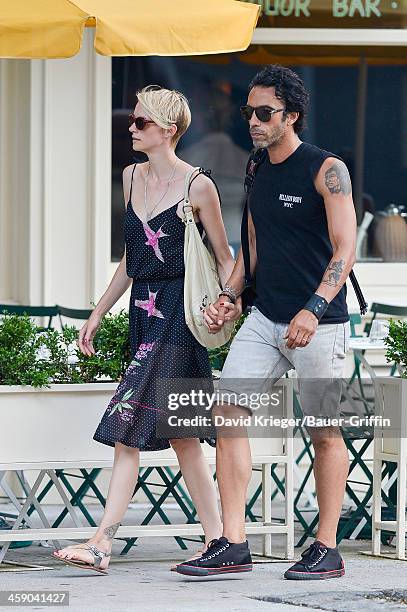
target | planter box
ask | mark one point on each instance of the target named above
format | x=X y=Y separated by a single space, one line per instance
x=52 y=425
x=52 y=428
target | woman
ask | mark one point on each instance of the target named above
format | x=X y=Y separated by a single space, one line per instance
x=162 y=345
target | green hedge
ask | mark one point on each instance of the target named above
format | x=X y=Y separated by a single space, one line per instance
x=22 y=343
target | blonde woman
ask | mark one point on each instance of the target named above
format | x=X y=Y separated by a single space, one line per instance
x=161 y=343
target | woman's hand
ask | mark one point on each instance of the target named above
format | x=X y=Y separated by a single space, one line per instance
x=87 y=333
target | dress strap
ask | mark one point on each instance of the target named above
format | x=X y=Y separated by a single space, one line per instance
x=131 y=183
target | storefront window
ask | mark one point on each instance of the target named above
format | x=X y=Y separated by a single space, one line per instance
x=358 y=110
x=362 y=14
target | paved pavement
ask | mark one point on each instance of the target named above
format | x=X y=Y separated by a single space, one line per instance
x=142 y=581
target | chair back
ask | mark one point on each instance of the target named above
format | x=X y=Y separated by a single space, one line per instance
x=31 y=311
x=73 y=313
x=354 y=319
x=385 y=309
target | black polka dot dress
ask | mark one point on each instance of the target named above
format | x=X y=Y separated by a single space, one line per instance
x=162 y=345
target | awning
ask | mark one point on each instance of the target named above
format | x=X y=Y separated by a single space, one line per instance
x=54 y=28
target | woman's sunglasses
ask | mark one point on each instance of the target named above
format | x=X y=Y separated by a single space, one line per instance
x=139 y=122
x=263 y=113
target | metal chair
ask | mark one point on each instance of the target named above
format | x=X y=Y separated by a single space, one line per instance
x=378 y=308
x=356 y=319
x=31 y=311
x=72 y=313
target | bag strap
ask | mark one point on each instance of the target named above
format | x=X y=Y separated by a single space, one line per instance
x=254 y=161
x=363 y=305
x=188 y=214
x=257 y=157
x=244 y=239
x=189 y=179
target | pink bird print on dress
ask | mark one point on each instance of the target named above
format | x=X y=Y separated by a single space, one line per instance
x=153 y=238
x=149 y=305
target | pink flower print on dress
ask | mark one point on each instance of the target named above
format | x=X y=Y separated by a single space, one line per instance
x=143 y=350
x=149 y=305
x=153 y=238
x=142 y=353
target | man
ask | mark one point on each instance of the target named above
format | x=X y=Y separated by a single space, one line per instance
x=302 y=236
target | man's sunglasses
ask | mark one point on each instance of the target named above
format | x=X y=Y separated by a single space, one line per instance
x=263 y=113
x=139 y=122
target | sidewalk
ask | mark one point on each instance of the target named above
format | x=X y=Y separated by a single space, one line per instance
x=141 y=580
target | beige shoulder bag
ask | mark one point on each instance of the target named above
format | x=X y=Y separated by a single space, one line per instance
x=202 y=285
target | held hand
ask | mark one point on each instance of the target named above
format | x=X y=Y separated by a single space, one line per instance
x=234 y=311
x=220 y=312
x=87 y=333
x=214 y=314
x=301 y=329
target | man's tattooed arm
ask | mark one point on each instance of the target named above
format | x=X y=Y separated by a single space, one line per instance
x=335 y=276
x=333 y=183
x=111 y=531
x=333 y=273
x=337 y=179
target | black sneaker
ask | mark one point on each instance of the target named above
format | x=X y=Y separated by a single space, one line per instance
x=221 y=557
x=317 y=562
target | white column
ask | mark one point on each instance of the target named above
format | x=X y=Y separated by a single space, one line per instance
x=101 y=174
x=14 y=179
x=77 y=170
x=55 y=173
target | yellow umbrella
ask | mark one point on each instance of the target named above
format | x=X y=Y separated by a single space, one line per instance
x=54 y=28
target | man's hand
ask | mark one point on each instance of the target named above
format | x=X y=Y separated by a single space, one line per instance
x=220 y=312
x=301 y=329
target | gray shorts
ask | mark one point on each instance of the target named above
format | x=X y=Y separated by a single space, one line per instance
x=259 y=351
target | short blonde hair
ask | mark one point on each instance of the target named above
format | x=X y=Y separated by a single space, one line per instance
x=166 y=107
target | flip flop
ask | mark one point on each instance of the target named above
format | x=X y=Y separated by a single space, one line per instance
x=97 y=554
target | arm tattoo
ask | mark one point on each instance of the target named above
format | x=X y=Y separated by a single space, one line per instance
x=110 y=531
x=337 y=179
x=333 y=273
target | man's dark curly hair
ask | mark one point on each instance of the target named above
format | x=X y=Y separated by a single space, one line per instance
x=289 y=89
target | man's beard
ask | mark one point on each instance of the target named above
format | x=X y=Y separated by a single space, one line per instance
x=272 y=140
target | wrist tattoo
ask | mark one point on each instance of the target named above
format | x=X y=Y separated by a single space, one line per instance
x=333 y=273
x=337 y=179
x=111 y=531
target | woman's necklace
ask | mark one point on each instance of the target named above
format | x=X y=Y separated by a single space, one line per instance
x=149 y=214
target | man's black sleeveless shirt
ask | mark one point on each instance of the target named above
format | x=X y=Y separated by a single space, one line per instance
x=292 y=239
